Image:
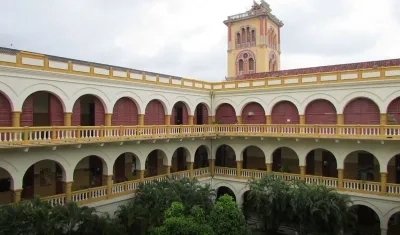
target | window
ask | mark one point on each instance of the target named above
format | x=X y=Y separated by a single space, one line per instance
x=248 y=34
x=241 y=66
x=251 y=64
x=238 y=38
x=253 y=36
x=243 y=35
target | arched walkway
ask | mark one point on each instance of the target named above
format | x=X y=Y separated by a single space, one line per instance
x=285 y=159
x=125 y=113
x=221 y=191
x=393 y=112
x=44 y=178
x=6 y=181
x=225 y=114
x=5 y=111
x=89 y=172
x=361 y=165
x=225 y=156
x=201 y=158
x=42 y=109
x=179 y=159
x=200 y=115
x=253 y=113
x=393 y=170
x=320 y=112
x=154 y=113
x=180 y=114
x=156 y=163
x=285 y=112
x=88 y=110
x=125 y=167
x=394 y=224
x=361 y=111
x=321 y=162
x=253 y=158
x=367 y=220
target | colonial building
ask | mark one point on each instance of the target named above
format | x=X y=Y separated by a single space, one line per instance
x=90 y=132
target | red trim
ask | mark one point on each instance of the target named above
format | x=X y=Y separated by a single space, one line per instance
x=229 y=32
x=261 y=26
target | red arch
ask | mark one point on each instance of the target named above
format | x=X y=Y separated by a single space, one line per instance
x=185 y=114
x=284 y=112
x=225 y=114
x=99 y=113
x=53 y=116
x=361 y=111
x=5 y=111
x=204 y=114
x=125 y=113
x=393 y=111
x=154 y=113
x=253 y=113
x=320 y=112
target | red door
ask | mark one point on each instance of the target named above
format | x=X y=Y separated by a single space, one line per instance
x=253 y=113
x=119 y=169
x=99 y=114
x=393 y=112
x=27 y=112
x=225 y=114
x=5 y=111
x=320 y=112
x=284 y=112
x=200 y=115
x=76 y=113
x=125 y=113
x=361 y=111
x=154 y=114
x=277 y=160
x=56 y=111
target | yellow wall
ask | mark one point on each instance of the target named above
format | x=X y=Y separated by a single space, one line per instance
x=260 y=50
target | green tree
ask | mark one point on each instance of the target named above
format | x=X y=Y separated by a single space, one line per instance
x=227 y=218
x=176 y=222
x=268 y=199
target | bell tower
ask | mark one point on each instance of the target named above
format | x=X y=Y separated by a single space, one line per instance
x=253 y=41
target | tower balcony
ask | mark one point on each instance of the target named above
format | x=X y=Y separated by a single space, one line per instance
x=11 y=137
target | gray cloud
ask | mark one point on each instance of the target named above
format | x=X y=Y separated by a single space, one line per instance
x=159 y=35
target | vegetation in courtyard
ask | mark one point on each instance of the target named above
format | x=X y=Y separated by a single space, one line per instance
x=185 y=207
x=306 y=207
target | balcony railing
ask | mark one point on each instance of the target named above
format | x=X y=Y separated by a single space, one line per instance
x=17 y=136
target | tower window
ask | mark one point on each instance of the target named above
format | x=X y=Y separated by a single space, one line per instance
x=251 y=65
x=241 y=66
x=253 y=37
x=238 y=38
x=243 y=35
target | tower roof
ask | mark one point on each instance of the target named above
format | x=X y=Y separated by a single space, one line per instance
x=258 y=9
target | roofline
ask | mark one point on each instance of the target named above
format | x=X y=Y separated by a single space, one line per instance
x=83 y=62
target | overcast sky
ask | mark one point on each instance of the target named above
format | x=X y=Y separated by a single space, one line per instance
x=187 y=37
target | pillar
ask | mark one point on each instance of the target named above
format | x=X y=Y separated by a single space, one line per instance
x=268 y=119
x=167 y=119
x=141 y=119
x=383 y=231
x=17 y=195
x=67 y=119
x=239 y=119
x=190 y=120
x=340 y=120
x=211 y=120
x=340 y=178
x=302 y=173
x=383 y=122
x=190 y=168
x=211 y=164
x=109 y=186
x=239 y=166
x=16 y=119
x=141 y=174
x=302 y=119
x=167 y=170
x=269 y=167
x=107 y=119
x=383 y=182
x=68 y=191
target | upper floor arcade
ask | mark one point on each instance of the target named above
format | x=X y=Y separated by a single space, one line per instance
x=47 y=105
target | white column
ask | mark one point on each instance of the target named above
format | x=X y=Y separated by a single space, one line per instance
x=383 y=231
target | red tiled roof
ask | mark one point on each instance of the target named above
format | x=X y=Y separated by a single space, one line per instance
x=321 y=69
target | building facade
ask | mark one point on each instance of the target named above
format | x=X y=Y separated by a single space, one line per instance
x=89 y=132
